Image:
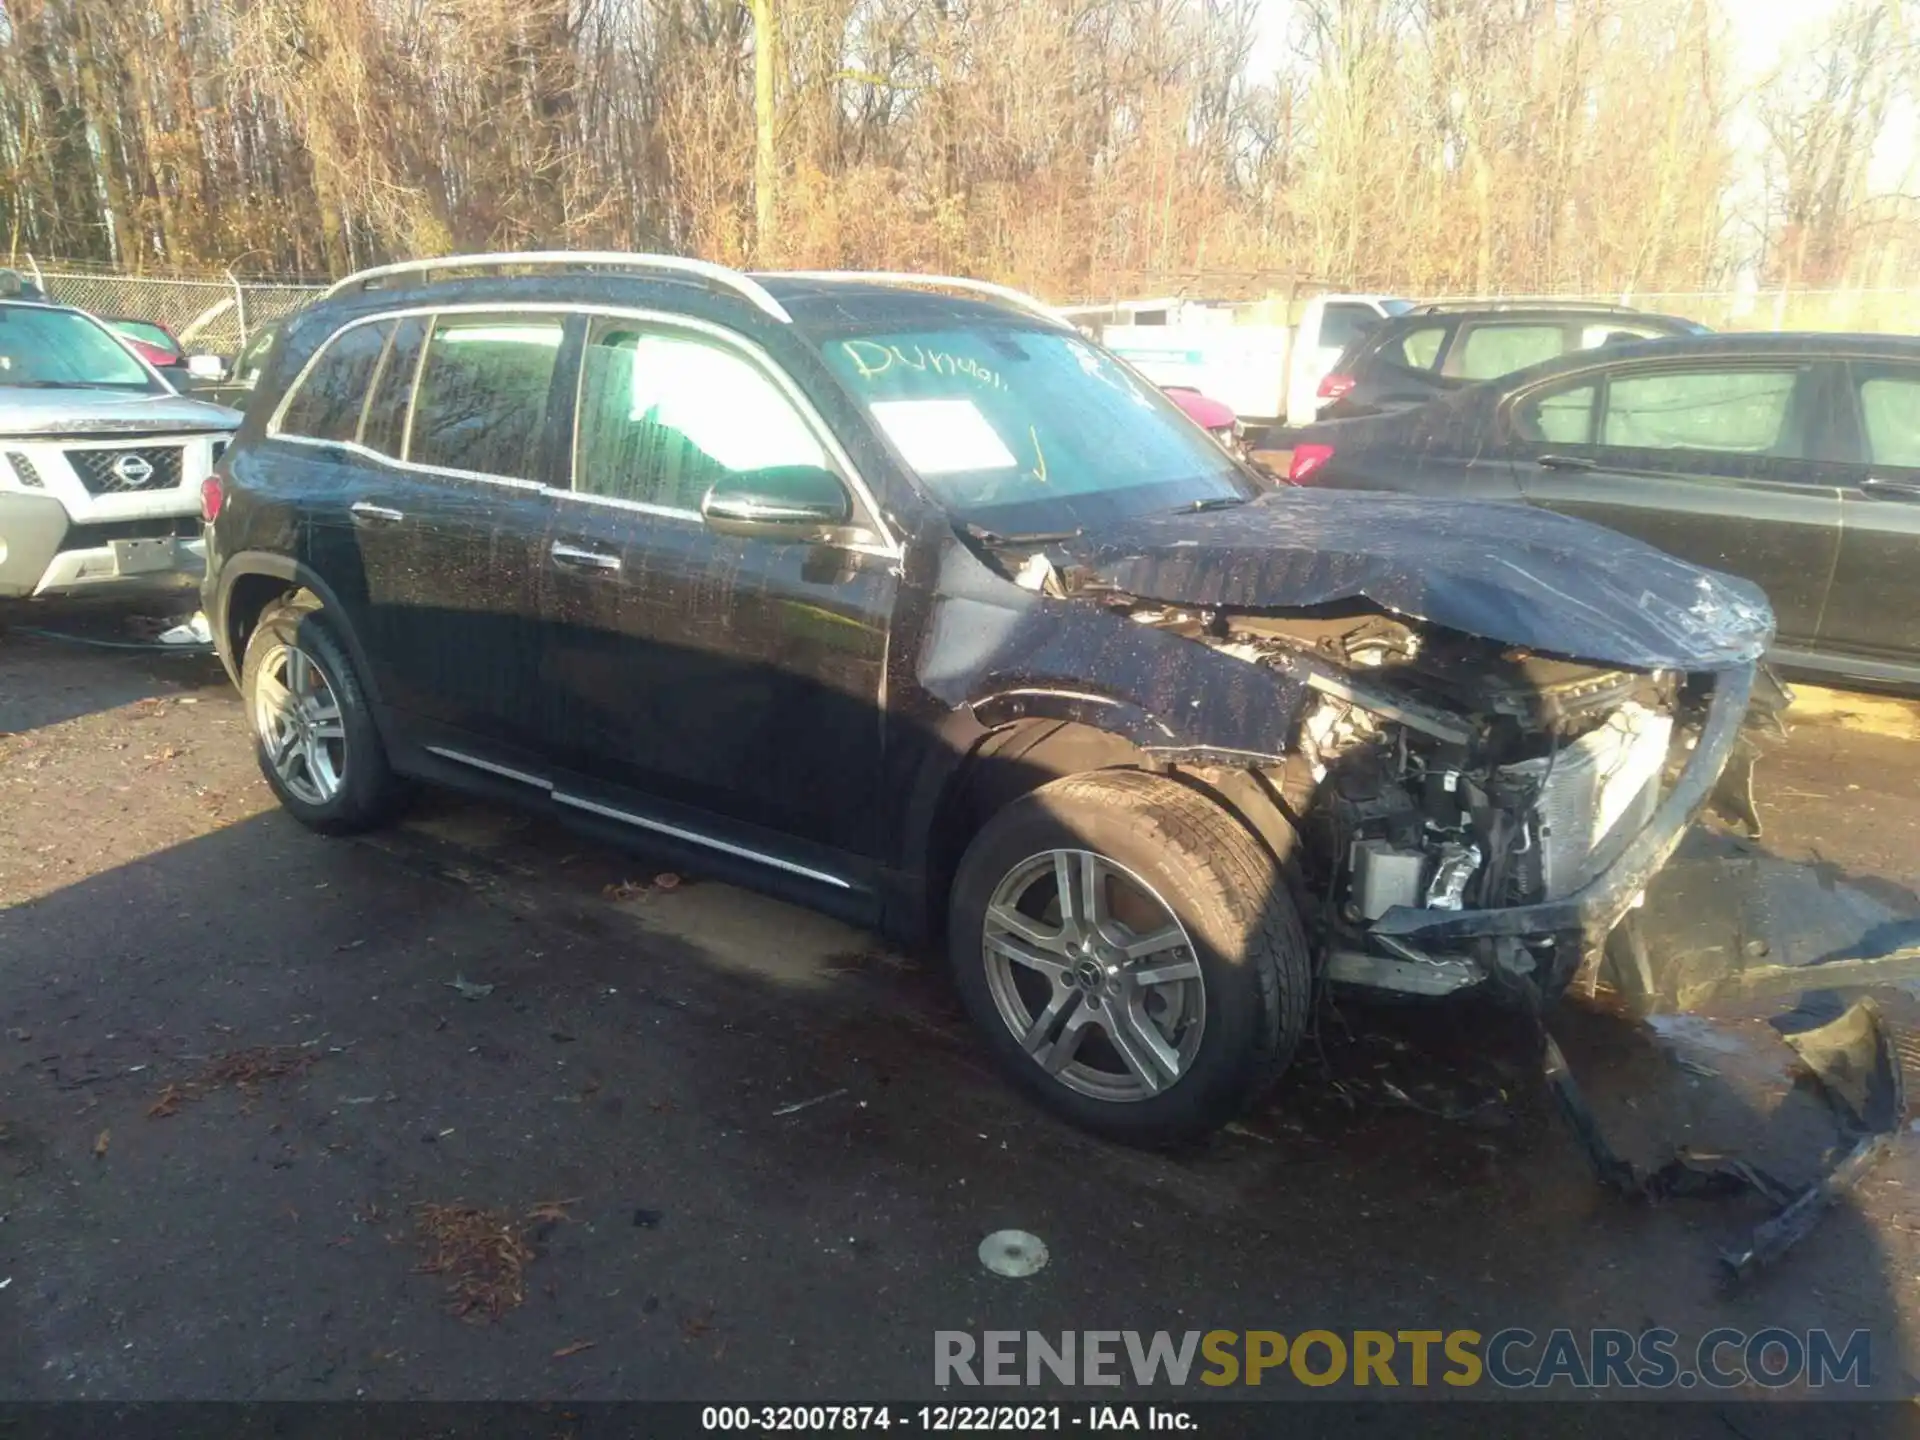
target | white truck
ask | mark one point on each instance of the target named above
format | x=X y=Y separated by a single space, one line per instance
x=1250 y=355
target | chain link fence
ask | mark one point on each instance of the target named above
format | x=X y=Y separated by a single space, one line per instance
x=218 y=314
x=211 y=316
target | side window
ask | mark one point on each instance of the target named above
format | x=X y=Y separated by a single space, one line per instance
x=385 y=426
x=1488 y=351
x=481 y=399
x=663 y=416
x=1343 y=323
x=1562 y=417
x=1890 y=415
x=1419 y=349
x=328 y=402
x=1736 y=411
x=246 y=369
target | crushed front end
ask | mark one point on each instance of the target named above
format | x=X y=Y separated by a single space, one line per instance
x=1479 y=815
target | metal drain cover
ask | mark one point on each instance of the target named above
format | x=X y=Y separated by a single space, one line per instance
x=1013 y=1253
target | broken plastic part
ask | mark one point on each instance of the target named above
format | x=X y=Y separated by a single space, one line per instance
x=1855 y=1064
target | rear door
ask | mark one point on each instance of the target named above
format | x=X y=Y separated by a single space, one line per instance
x=1704 y=458
x=1874 y=610
x=469 y=523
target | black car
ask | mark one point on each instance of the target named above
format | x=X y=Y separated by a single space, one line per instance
x=918 y=607
x=1791 y=460
x=235 y=388
x=1438 y=349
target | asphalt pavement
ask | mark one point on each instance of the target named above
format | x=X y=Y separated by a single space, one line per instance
x=474 y=1108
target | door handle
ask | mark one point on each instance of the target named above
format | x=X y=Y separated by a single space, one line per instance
x=379 y=514
x=1883 y=489
x=584 y=559
x=1565 y=462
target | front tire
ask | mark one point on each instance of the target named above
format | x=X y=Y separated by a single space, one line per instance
x=313 y=730
x=1132 y=954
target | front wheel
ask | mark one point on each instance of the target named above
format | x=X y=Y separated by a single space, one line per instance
x=1132 y=954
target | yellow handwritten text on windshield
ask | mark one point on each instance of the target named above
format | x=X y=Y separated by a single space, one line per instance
x=871 y=358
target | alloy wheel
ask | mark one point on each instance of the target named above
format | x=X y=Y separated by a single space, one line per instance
x=296 y=714
x=1094 y=975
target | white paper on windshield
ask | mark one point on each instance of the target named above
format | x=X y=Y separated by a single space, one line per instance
x=942 y=437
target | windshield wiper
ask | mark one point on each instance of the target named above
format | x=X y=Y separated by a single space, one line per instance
x=1036 y=537
x=1212 y=502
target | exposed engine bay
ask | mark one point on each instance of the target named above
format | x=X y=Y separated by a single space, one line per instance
x=1440 y=771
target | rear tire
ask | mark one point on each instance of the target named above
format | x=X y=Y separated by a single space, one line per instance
x=1159 y=1012
x=313 y=730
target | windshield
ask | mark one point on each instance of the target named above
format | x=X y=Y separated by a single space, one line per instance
x=1025 y=430
x=53 y=349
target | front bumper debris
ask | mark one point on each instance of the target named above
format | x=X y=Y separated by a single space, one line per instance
x=1856 y=1066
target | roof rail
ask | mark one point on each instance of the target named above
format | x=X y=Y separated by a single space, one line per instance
x=718 y=276
x=1017 y=298
x=1443 y=307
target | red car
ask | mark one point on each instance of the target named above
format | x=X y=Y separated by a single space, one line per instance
x=1217 y=419
x=153 y=343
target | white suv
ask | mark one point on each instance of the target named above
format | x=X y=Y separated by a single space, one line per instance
x=101 y=462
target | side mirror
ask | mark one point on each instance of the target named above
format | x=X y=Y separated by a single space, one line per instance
x=786 y=502
x=206 y=367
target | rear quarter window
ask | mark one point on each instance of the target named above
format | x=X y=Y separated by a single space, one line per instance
x=1418 y=349
x=328 y=397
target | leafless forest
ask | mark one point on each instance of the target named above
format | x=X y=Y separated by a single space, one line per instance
x=1075 y=146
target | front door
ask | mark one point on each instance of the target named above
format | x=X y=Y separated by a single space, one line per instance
x=1702 y=459
x=736 y=682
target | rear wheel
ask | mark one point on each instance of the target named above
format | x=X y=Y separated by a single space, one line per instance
x=313 y=731
x=1132 y=954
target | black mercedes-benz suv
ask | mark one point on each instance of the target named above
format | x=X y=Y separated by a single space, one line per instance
x=896 y=596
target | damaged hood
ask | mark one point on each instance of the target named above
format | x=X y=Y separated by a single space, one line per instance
x=78 y=410
x=1505 y=572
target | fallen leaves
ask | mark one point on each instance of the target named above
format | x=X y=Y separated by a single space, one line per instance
x=242 y=1070
x=574 y=1349
x=634 y=889
x=483 y=1253
x=100 y=1143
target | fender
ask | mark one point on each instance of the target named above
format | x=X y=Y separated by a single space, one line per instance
x=281 y=567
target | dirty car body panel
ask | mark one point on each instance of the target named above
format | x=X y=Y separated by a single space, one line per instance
x=1036 y=566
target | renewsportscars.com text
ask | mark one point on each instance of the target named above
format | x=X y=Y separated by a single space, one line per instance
x=1512 y=1359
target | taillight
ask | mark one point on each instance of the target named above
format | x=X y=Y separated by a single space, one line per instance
x=1306 y=460
x=1335 y=387
x=211 y=498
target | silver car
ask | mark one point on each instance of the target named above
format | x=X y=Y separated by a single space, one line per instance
x=101 y=462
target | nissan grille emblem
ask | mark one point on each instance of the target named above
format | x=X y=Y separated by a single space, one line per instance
x=133 y=470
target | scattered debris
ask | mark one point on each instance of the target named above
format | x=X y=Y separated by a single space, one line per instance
x=644 y=1219
x=1854 y=1064
x=194 y=631
x=1013 y=1253
x=243 y=1070
x=800 y=1105
x=666 y=880
x=574 y=1349
x=468 y=989
x=484 y=1253
x=100 y=1144
x=625 y=890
